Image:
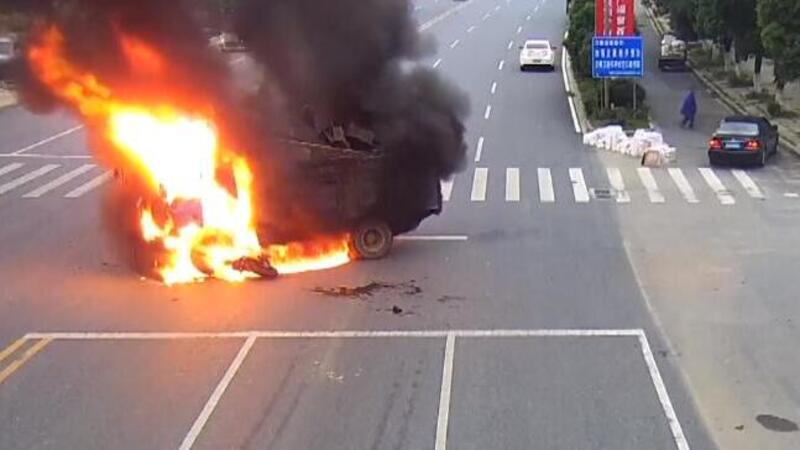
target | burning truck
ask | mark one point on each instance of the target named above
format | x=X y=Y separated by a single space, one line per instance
x=341 y=150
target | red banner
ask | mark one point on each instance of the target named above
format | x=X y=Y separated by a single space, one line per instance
x=614 y=18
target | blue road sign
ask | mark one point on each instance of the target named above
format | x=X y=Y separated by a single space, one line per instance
x=617 y=57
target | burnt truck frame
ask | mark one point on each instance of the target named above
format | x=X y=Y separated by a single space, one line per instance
x=346 y=192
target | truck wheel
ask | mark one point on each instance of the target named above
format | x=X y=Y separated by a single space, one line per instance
x=372 y=240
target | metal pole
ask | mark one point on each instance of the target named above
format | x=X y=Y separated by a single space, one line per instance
x=634 y=96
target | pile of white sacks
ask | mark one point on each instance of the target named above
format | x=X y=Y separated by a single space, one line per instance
x=613 y=138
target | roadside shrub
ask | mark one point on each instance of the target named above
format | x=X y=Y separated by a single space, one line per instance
x=739 y=81
x=774 y=108
x=758 y=96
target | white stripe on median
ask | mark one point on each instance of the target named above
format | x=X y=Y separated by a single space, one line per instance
x=618 y=184
x=579 y=188
x=10 y=168
x=59 y=181
x=479 y=183
x=512 y=184
x=13 y=184
x=683 y=185
x=748 y=184
x=89 y=186
x=649 y=182
x=546 y=192
x=716 y=185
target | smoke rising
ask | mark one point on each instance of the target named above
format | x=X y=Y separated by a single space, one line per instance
x=345 y=62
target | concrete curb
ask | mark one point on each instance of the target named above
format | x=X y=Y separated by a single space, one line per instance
x=575 y=93
x=729 y=102
x=7 y=99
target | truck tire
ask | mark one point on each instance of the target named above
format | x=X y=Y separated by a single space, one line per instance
x=372 y=239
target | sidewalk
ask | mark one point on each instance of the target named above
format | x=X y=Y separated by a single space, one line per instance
x=665 y=93
x=7 y=98
x=732 y=98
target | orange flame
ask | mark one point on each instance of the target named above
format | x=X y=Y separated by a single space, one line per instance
x=178 y=152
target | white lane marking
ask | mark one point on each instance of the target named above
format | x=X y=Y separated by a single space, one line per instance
x=433 y=238
x=91 y=185
x=649 y=182
x=546 y=192
x=618 y=184
x=454 y=43
x=501 y=64
x=536 y=9
x=10 y=168
x=444 y=393
x=447 y=189
x=574 y=114
x=443 y=16
x=479 y=182
x=497 y=8
x=486 y=16
x=488 y=112
x=683 y=185
x=528 y=17
x=663 y=396
x=519 y=30
x=748 y=184
x=512 y=184
x=579 y=188
x=494 y=87
x=38 y=156
x=471 y=29
x=479 y=149
x=13 y=184
x=59 y=181
x=791 y=195
x=510 y=44
x=436 y=64
x=219 y=391
x=716 y=185
x=564 y=69
x=47 y=140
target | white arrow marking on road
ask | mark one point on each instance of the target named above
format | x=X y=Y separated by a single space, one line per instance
x=512 y=184
x=91 y=185
x=748 y=184
x=618 y=184
x=546 y=192
x=683 y=185
x=10 y=168
x=649 y=182
x=479 y=182
x=579 y=188
x=59 y=181
x=723 y=195
x=447 y=189
x=13 y=184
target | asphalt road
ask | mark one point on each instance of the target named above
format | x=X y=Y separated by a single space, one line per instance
x=509 y=322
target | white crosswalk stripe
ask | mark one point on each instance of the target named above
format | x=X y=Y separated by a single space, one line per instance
x=63 y=179
x=618 y=184
x=479 y=184
x=713 y=181
x=649 y=182
x=90 y=185
x=748 y=184
x=546 y=192
x=447 y=189
x=10 y=168
x=512 y=184
x=579 y=188
x=683 y=185
x=13 y=184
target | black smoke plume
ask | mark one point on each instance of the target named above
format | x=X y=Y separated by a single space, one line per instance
x=328 y=65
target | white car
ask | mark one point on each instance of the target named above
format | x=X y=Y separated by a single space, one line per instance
x=537 y=53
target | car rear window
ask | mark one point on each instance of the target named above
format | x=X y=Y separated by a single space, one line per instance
x=536 y=45
x=738 y=128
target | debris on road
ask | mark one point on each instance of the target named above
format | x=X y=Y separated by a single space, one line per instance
x=408 y=288
x=642 y=143
x=258 y=266
x=775 y=423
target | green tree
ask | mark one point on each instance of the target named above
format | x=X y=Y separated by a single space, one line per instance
x=779 y=21
x=579 y=40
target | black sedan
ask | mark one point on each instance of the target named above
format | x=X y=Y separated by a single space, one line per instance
x=745 y=139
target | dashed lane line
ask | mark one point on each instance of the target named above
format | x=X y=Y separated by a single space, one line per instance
x=479 y=149
x=494 y=87
x=455 y=43
x=501 y=64
x=436 y=64
x=488 y=113
x=425 y=26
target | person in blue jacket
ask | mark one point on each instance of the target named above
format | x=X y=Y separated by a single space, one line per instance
x=689 y=110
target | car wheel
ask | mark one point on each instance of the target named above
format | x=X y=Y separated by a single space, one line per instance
x=371 y=240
